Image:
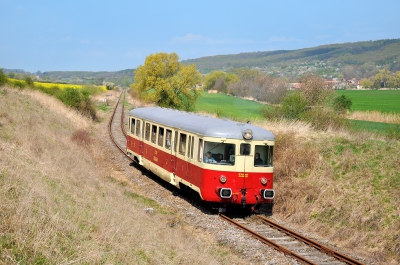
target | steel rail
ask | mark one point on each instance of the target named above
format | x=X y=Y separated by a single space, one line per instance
x=110 y=125
x=329 y=251
x=270 y=243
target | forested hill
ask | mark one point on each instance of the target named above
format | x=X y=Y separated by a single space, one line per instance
x=363 y=57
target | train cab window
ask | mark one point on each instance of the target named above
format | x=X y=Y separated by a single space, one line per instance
x=168 y=139
x=147 y=132
x=160 y=136
x=138 y=128
x=223 y=153
x=182 y=143
x=133 y=126
x=153 y=133
x=245 y=149
x=263 y=156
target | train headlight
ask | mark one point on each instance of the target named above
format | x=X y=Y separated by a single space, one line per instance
x=264 y=181
x=225 y=193
x=222 y=179
x=268 y=194
x=247 y=134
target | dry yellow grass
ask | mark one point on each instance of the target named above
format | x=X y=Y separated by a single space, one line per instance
x=340 y=187
x=60 y=203
x=376 y=116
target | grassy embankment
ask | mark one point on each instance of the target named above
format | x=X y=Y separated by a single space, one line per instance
x=61 y=202
x=342 y=186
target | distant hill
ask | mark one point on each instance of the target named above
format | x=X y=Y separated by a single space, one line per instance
x=122 y=77
x=358 y=59
x=348 y=60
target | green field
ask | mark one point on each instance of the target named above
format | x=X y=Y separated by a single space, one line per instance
x=230 y=107
x=379 y=127
x=363 y=100
x=379 y=100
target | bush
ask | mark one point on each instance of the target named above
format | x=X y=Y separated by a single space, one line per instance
x=324 y=119
x=342 y=104
x=79 y=100
x=29 y=81
x=3 y=77
x=393 y=131
x=19 y=83
x=293 y=105
x=71 y=97
x=272 y=113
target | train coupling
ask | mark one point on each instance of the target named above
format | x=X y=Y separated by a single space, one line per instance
x=243 y=197
x=244 y=201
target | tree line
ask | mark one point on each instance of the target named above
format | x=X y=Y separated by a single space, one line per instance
x=165 y=82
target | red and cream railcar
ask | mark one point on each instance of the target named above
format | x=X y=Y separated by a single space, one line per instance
x=172 y=144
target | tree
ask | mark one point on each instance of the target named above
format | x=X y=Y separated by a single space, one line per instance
x=381 y=78
x=210 y=80
x=245 y=73
x=314 y=90
x=220 y=85
x=394 y=80
x=109 y=85
x=366 y=83
x=166 y=82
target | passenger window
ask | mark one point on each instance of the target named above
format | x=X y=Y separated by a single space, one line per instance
x=138 y=128
x=182 y=144
x=160 y=136
x=168 y=139
x=153 y=133
x=132 y=126
x=147 y=134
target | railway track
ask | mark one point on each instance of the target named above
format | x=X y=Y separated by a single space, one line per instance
x=282 y=239
x=289 y=242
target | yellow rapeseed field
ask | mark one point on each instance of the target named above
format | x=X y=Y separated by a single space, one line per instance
x=50 y=86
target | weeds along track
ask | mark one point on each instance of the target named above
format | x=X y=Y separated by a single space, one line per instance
x=284 y=240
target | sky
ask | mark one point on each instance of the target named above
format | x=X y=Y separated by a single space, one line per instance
x=86 y=35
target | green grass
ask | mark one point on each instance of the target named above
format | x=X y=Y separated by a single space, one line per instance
x=378 y=100
x=230 y=107
x=371 y=126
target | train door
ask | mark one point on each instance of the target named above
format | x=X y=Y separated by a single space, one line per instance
x=139 y=134
x=175 y=152
x=169 y=146
x=182 y=163
x=190 y=167
x=244 y=165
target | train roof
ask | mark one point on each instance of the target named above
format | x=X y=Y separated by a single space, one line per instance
x=200 y=124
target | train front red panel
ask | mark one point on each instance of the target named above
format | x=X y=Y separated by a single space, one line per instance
x=207 y=180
